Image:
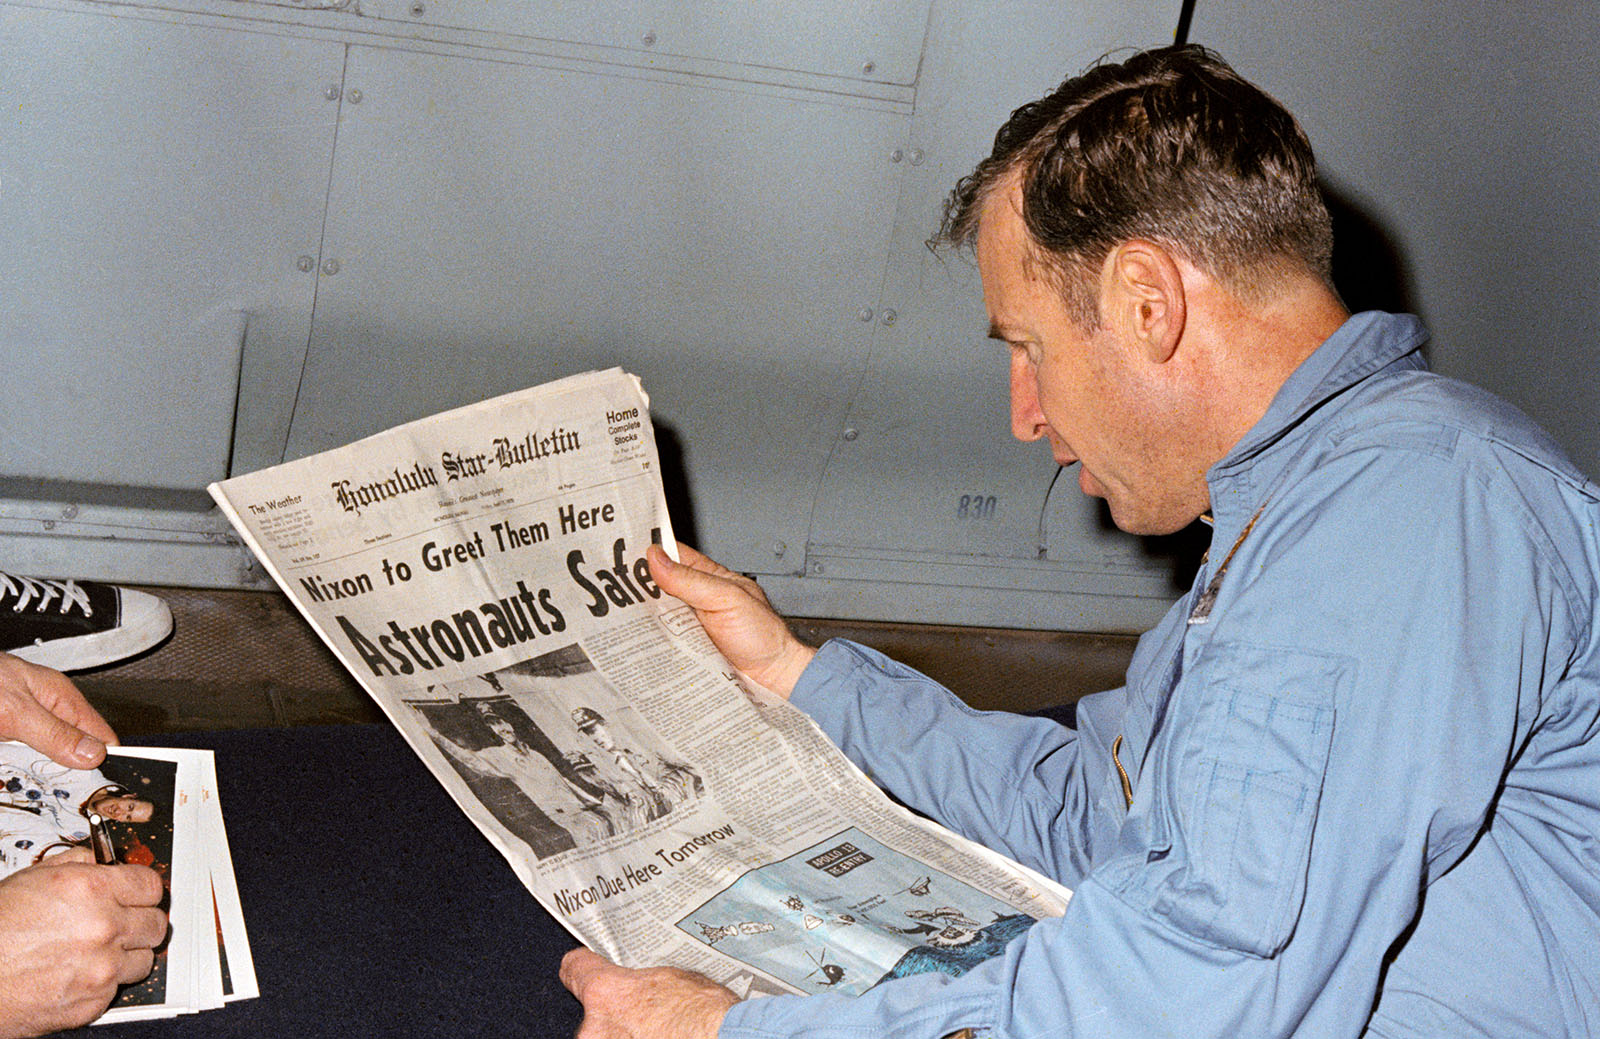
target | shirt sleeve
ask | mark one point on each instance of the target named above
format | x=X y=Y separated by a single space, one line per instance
x=1017 y=784
x=1319 y=767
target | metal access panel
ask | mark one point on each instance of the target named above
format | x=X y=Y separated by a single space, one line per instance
x=355 y=213
x=496 y=224
x=929 y=510
x=157 y=183
x=866 y=41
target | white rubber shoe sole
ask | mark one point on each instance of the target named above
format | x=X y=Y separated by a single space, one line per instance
x=143 y=621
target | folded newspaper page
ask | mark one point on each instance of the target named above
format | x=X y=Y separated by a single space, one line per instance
x=482 y=574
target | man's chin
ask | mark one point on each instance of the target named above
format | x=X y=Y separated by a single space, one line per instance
x=1145 y=525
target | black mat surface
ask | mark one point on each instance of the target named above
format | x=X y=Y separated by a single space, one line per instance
x=374 y=907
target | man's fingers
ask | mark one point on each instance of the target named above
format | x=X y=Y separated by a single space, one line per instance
x=694 y=558
x=579 y=967
x=738 y=617
x=145 y=929
x=64 y=742
x=43 y=709
x=58 y=695
x=69 y=855
x=700 y=582
x=653 y=1003
x=687 y=581
x=136 y=885
x=135 y=966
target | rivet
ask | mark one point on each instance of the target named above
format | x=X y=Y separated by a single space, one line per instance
x=896 y=155
x=864 y=314
x=851 y=434
x=889 y=315
x=70 y=512
x=779 y=548
x=330 y=267
x=355 y=97
x=305 y=265
x=917 y=156
x=650 y=39
x=49 y=524
x=867 y=68
x=332 y=92
x=417 y=9
x=816 y=566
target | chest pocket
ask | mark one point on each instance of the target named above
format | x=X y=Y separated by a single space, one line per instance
x=1250 y=740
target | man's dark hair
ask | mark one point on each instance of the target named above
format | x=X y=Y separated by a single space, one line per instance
x=1170 y=146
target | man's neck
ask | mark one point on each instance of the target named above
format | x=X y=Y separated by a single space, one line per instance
x=1258 y=346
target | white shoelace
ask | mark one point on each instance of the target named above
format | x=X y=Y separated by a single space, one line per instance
x=26 y=589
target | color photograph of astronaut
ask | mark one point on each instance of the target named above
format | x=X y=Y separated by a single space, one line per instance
x=848 y=913
x=46 y=808
x=554 y=753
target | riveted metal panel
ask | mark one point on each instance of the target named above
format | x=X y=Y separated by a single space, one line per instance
x=867 y=40
x=924 y=462
x=499 y=224
x=157 y=183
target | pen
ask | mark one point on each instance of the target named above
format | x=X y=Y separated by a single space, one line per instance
x=105 y=852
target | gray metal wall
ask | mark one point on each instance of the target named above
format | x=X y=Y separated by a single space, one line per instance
x=238 y=232
x=233 y=232
x=1463 y=141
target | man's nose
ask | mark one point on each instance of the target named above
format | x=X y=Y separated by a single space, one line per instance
x=1027 y=418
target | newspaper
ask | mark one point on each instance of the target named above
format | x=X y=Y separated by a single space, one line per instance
x=482 y=573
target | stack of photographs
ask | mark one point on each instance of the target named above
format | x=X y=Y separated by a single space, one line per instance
x=154 y=807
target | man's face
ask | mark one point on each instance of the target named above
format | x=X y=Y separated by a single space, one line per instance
x=500 y=727
x=1094 y=395
x=125 y=809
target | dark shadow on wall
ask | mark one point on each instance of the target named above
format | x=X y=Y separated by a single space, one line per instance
x=1369 y=270
x=675 y=484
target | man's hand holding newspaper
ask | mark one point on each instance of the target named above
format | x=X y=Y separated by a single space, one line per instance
x=664 y=1002
x=649 y=1003
x=736 y=614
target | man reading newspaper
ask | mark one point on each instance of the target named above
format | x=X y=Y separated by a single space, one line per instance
x=1352 y=784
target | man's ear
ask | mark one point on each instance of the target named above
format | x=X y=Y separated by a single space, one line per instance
x=1146 y=298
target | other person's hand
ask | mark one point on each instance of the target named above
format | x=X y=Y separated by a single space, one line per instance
x=654 y=1003
x=43 y=709
x=70 y=933
x=736 y=615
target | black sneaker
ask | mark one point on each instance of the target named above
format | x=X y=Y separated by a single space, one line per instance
x=71 y=625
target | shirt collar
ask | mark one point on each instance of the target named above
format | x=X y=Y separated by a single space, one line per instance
x=1365 y=343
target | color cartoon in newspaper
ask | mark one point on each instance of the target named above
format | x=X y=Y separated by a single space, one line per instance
x=849 y=913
